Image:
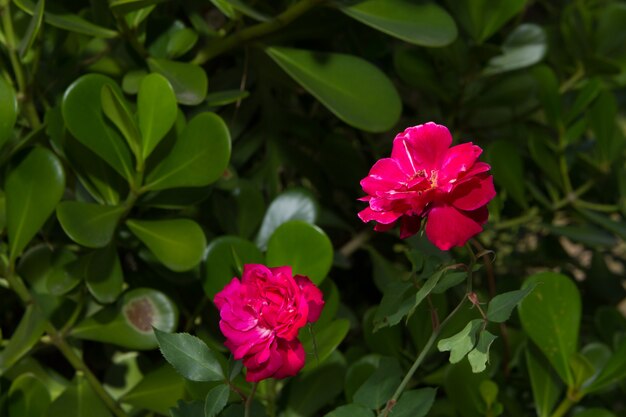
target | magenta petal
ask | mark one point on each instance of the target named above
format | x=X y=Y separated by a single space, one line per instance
x=384 y=217
x=458 y=159
x=252 y=272
x=473 y=193
x=421 y=147
x=385 y=175
x=447 y=227
x=313 y=297
x=292 y=358
x=410 y=225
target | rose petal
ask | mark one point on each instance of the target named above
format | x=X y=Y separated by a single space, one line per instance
x=385 y=175
x=410 y=225
x=421 y=147
x=384 y=217
x=458 y=159
x=292 y=357
x=313 y=297
x=473 y=194
x=447 y=227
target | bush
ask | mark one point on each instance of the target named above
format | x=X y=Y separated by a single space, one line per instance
x=152 y=150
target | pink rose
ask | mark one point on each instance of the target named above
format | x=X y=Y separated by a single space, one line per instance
x=426 y=179
x=261 y=316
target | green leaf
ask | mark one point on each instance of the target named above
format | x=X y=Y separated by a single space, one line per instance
x=601 y=117
x=525 y=46
x=103 y=274
x=356 y=91
x=63 y=273
x=616 y=227
x=425 y=290
x=303 y=246
x=118 y=112
x=199 y=157
x=132 y=81
x=127 y=6
x=157 y=391
x=84 y=118
x=544 y=383
x=595 y=412
x=25 y=336
x=479 y=356
x=294 y=204
x=33 y=29
x=179 y=244
x=508 y=170
x=68 y=21
x=550 y=316
x=130 y=322
x=415 y=403
x=461 y=343
x=380 y=386
x=216 y=400
x=351 y=410
x=225 y=256
x=398 y=299
x=190 y=356
x=586 y=96
x=385 y=340
x=489 y=392
x=156 y=111
x=90 y=225
x=181 y=42
x=549 y=95
x=501 y=306
x=28 y=397
x=613 y=372
x=322 y=343
x=483 y=18
x=581 y=369
x=8 y=111
x=358 y=373
x=78 y=400
x=420 y=24
x=33 y=189
x=245 y=9
x=222 y=98
x=462 y=387
x=189 y=81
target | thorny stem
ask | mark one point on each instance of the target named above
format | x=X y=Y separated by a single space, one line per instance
x=431 y=341
x=59 y=341
x=253 y=32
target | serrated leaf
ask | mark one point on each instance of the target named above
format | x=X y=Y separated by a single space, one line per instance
x=479 y=356
x=461 y=343
x=501 y=306
x=190 y=356
x=216 y=400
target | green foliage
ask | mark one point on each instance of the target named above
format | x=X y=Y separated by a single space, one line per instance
x=165 y=185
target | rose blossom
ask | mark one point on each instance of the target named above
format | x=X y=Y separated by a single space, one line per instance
x=261 y=315
x=425 y=178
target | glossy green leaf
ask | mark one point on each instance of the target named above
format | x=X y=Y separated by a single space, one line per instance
x=84 y=118
x=190 y=356
x=8 y=110
x=544 y=383
x=33 y=189
x=295 y=204
x=68 y=21
x=381 y=385
x=225 y=257
x=33 y=28
x=179 y=244
x=116 y=109
x=461 y=343
x=601 y=118
x=398 y=300
x=525 y=46
x=199 y=156
x=322 y=343
x=479 y=356
x=508 y=170
x=501 y=306
x=351 y=410
x=103 y=274
x=127 y=6
x=595 y=412
x=243 y=7
x=222 y=98
x=132 y=81
x=78 y=400
x=613 y=371
x=28 y=397
x=357 y=374
x=63 y=272
x=90 y=225
x=189 y=81
x=550 y=316
x=356 y=91
x=181 y=42
x=426 y=289
x=483 y=18
x=582 y=369
x=420 y=24
x=303 y=246
x=25 y=336
x=216 y=400
x=158 y=390
x=415 y=403
x=130 y=322
x=156 y=111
